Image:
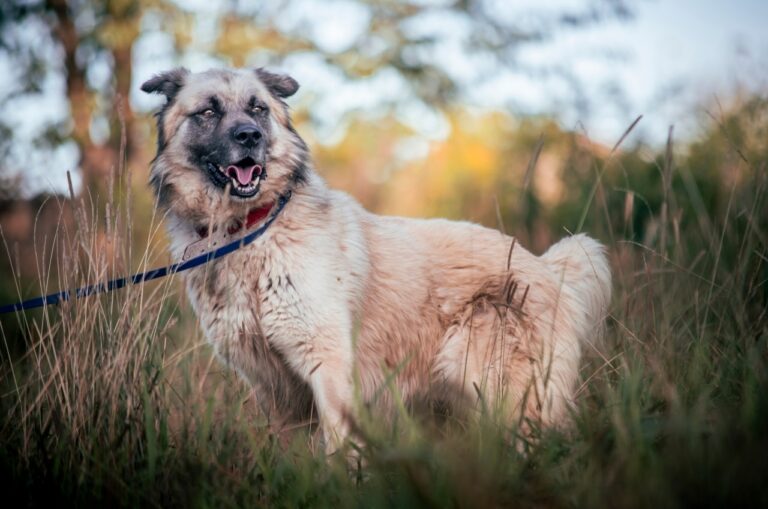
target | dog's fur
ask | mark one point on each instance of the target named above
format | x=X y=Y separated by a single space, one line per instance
x=334 y=298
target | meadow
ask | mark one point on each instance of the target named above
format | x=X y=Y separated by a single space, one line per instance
x=116 y=400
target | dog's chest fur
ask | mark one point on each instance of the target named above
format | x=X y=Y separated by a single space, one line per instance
x=260 y=306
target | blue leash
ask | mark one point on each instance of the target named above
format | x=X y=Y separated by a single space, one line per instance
x=143 y=277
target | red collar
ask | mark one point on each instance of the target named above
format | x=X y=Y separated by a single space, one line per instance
x=254 y=216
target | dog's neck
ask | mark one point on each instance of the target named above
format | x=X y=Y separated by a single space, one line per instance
x=254 y=216
x=186 y=227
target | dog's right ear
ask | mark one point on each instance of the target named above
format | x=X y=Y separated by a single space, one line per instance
x=167 y=83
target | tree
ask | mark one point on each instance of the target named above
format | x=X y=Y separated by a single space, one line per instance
x=406 y=38
x=82 y=34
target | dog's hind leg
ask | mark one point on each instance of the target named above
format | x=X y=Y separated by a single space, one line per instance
x=485 y=359
x=516 y=346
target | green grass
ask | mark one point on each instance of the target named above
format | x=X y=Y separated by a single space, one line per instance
x=115 y=400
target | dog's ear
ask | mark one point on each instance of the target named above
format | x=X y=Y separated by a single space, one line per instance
x=280 y=85
x=167 y=83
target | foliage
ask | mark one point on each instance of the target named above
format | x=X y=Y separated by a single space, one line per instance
x=85 y=52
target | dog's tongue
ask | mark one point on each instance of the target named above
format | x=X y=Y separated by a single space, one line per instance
x=244 y=175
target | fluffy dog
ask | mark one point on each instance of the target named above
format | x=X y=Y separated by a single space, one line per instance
x=333 y=301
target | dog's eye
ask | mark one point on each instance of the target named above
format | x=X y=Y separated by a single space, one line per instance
x=208 y=113
x=258 y=109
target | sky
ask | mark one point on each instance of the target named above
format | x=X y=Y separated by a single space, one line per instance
x=673 y=55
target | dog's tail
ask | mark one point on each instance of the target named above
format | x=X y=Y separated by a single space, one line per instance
x=584 y=295
x=586 y=281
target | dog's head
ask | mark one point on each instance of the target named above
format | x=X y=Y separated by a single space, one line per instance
x=224 y=137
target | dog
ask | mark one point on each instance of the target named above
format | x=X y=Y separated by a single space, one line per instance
x=333 y=304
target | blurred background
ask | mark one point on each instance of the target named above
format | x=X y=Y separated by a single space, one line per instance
x=488 y=110
x=641 y=122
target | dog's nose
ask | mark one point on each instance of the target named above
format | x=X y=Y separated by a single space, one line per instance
x=247 y=134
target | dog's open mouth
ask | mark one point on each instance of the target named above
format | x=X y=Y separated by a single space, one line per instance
x=245 y=176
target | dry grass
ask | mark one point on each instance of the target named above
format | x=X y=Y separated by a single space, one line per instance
x=117 y=400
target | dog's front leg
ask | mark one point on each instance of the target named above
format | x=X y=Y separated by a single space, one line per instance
x=333 y=392
x=327 y=368
x=316 y=342
x=308 y=317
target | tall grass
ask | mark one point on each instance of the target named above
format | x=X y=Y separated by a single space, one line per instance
x=117 y=400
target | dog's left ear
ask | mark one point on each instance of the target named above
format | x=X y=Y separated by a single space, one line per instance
x=281 y=85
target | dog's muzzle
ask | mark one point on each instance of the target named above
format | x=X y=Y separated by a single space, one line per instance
x=245 y=176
